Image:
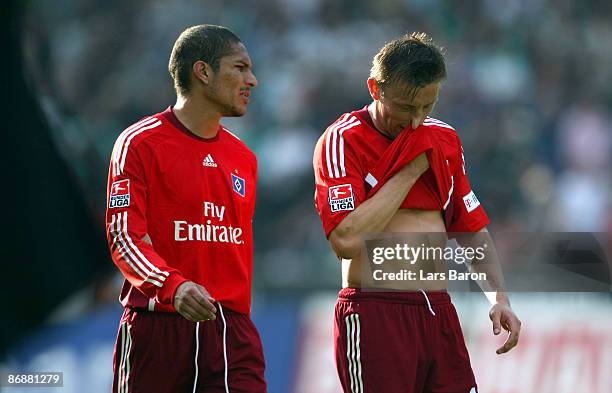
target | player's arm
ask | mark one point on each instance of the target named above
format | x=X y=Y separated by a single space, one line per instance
x=130 y=246
x=501 y=313
x=469 y=225
x=375 y=213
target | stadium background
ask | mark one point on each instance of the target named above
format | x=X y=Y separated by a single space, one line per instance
x=529 y=91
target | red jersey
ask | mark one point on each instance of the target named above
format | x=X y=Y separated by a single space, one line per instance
x=352 y=160
x=180 y=207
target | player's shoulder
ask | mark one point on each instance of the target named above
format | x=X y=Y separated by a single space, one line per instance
x=438 y=124
x=442 y=129
x=347 y=124
x=129 y=141
x=236 y=143
x=137 y=132
x=345 y=127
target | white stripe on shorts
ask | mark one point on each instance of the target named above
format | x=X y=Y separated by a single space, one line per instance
x=225 y=375
x=124 y=365
x=353 y=352
x=197 y=352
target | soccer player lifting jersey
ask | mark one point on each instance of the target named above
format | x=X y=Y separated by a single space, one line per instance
x=390 y=168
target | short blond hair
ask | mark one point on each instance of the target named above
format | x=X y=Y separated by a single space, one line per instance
x=413 y=60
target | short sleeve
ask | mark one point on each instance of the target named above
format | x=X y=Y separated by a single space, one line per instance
x=339 y=178
x=466 y=213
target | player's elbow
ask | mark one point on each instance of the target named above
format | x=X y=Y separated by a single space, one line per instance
x=344 y=243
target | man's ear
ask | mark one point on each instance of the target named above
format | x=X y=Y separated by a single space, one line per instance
x=374 y=89
x=202 y=71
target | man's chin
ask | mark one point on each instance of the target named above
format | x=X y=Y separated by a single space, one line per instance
x=235 y=112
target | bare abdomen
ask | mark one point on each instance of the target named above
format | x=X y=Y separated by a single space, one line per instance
x=418 y=228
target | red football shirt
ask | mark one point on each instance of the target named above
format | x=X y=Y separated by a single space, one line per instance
x=194 y=198
x=349 y=157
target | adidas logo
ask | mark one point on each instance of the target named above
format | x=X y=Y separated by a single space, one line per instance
x=208 y=161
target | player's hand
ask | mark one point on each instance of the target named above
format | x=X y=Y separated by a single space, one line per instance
x=194 y=302
x=502 y=316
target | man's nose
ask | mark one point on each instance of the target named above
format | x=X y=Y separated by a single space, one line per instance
x=251 y=80
x=419 y=118
x=417 y=121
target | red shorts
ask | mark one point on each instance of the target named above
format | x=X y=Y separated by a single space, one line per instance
x=163 y=352
x=389 y=342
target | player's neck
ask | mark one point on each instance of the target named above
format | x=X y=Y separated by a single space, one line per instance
x=196 y=118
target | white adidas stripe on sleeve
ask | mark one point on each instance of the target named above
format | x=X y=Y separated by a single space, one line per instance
x=334 y=145
x=132 y=255
x=123 y=142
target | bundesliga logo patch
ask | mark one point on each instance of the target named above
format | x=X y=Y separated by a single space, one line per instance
x=341 y=198
x=238 y=185
x=120 y=194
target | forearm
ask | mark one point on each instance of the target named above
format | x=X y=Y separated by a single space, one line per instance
x=374 y=214
x=141 y=265
x=494 y=286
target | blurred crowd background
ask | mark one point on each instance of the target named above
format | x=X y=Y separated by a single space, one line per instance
x=529 y=91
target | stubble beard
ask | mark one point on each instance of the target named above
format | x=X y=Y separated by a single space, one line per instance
x=228 y=109
x=218 y=95
x=232 y=111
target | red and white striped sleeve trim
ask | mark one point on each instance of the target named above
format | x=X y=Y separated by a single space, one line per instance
x=430 y=121
x=440 y=123
x=122 y=145
x=131 y=254
x=334 y=145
